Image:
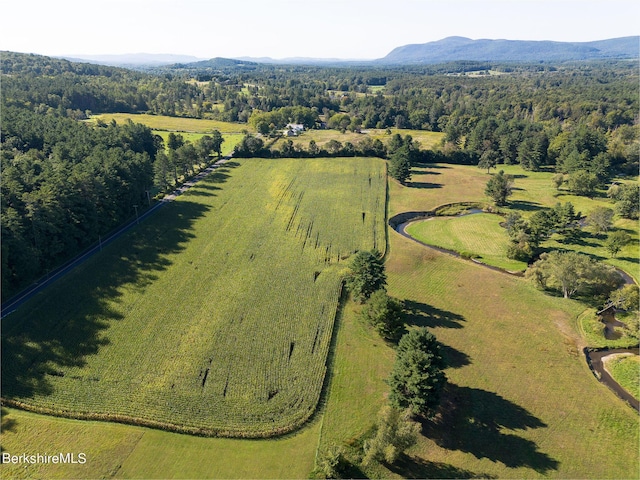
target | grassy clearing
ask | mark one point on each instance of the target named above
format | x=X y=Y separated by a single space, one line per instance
x=321 y=137
x=626 y=371
x=123 y=451
x=230 y=139
x=438 y=184
x=174 y=124
x=462 y=234
x=522 y=402
x=170 y=323
x=592 y=329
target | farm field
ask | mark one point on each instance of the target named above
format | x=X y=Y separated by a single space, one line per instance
x=169 y=326
x=230 y=139
x=427 y=139
x=124 y=451
x=174 y=124
x=517 y=394
x=461 y=234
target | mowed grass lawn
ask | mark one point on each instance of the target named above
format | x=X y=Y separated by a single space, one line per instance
x=216 y=314
x=480 y=234
x=521 y=401
x=432 y=185
x=175 y=124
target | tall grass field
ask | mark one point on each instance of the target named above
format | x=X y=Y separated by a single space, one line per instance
x=214 y=316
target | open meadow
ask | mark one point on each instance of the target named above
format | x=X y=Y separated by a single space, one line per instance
x=321 y=137
x=215 y=315
x=521 y=401
x=460 y=234
x=481 y=234
x=230 y=139
x=174 y=124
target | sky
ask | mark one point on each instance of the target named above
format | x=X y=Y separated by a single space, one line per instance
x=347 y=29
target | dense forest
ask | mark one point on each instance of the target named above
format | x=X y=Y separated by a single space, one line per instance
x=65 y=182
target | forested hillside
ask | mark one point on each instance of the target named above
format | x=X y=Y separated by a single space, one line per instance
x=66 y=182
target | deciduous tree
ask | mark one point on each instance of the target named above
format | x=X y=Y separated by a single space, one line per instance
x=617 y=241
x=499 y=188
x=572 y=273
x=395 y=433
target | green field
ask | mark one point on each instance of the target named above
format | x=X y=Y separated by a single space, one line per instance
x=215 y=315
x=521 y=403
x=174 y=124
x=480 y=234
x=230 y=139
x=321 y=137
x=533 y=191
x=626 y=371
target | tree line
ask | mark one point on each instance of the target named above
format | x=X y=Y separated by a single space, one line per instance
x=64 y=184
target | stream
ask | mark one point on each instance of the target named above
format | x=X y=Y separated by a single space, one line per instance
x=596 y=364
x=594 y=358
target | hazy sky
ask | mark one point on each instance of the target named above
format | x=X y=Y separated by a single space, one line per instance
x=285 y=28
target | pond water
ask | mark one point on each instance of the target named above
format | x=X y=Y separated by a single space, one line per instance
x=610 y=324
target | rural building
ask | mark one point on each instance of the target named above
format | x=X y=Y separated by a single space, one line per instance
x=293 y=129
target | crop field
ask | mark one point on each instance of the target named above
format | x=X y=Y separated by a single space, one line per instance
x=461 y=234
x=215 y=315
x=174 y=124
x=124 y=451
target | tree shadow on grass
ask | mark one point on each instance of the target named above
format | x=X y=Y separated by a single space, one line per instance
x=453 y=357
x=423 y=185
x=416 y=467
x=579 y=238
x=69 y=321
x=525 y=206
x=423 y=315
x=8 y=424
x=474 y=421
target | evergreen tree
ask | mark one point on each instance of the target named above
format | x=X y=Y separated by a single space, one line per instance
x=400 y=164
x=384 y=313
x=417 y=378
x=367 y=275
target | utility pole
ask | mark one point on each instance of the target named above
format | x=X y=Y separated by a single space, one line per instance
x=137 y=220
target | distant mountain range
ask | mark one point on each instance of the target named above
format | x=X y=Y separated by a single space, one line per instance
x=148 y=59
x=460 y=48
x=450 y=49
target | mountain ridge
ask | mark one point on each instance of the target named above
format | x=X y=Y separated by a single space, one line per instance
x=462 y=48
